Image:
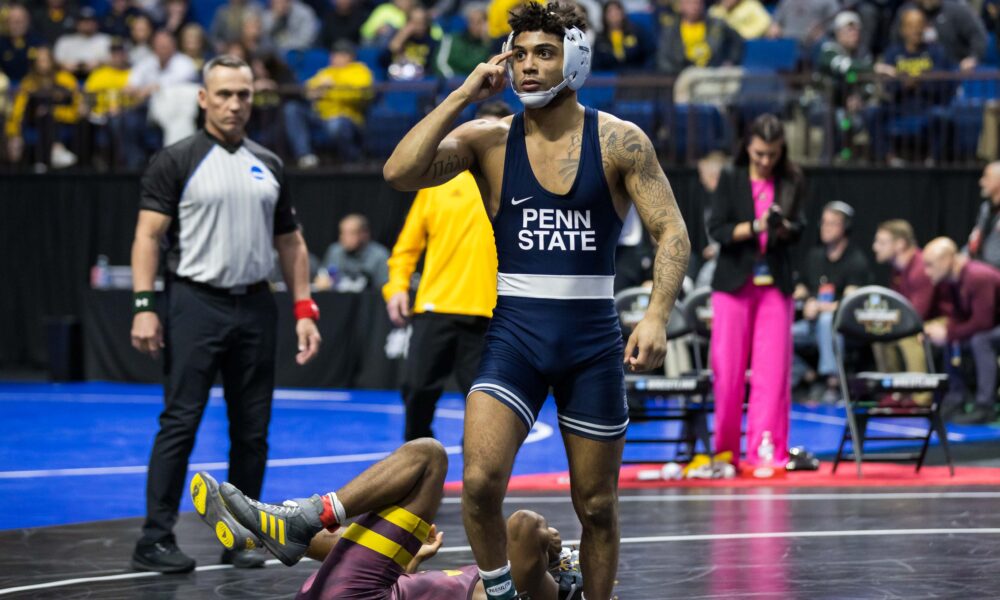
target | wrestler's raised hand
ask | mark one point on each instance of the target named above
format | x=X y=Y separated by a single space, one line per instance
x=487 y=79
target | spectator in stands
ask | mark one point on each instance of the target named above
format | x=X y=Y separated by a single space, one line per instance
x=990 y=14
x=273 y=84
x=19 y=46
x=830 y=272
x=460 y=53
x=385 y=20
x=411 y=51
x=83 y=51
x=105 y=94
x=4 y=97
x=955 y=26
x=253 y=38
x=841 y=60
x=193 y=44
x=176 y=14
x=227 y=24
x=984 y=240
x=692 y=39
x=290 y=25
x=748 y=18
x=804 y=20
x=620 y=46
x=913 y=57
x=54 y=19
x=877 y=17
x=896 y=246
x=140 y=40
x=342 y=21
x=354 y=263
x=972 y=321
x=496 y=16
x=118 y=20
x=165 y=69
x=340 y=93
x=45 y=114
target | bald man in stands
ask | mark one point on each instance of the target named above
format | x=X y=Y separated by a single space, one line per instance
x=972 y=319
x=984 y=241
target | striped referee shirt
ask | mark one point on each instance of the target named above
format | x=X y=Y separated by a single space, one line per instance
x=227 y=203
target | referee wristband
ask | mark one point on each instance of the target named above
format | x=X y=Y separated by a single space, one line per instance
x=306 y=309
x=143 y=302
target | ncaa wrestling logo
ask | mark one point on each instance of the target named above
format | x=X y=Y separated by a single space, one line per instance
x=257 y=173
x=876 y=316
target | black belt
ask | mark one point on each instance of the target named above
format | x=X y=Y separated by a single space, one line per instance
x=236 y=290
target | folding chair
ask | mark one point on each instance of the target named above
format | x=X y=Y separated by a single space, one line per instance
x=658 y=398
x=870 y=315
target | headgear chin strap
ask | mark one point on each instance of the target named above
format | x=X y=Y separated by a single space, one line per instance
x=576 y=68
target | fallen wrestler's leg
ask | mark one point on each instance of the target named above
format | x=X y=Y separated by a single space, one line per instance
x=411 y=478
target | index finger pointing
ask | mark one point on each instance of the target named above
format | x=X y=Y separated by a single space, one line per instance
x=500 y=58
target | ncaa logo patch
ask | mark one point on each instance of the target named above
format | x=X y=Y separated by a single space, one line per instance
x=257 y=173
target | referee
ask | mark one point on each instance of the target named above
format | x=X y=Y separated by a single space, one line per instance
x=219 y=202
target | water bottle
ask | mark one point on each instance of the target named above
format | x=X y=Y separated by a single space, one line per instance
x=955 y=354
x=765 y=454
x=100 y=277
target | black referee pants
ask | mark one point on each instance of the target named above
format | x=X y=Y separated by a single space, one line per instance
x=440 y=344
x=208 y=332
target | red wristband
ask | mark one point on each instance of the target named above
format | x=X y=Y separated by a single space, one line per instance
x=306 y=309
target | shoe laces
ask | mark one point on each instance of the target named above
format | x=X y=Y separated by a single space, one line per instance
x=287 y=508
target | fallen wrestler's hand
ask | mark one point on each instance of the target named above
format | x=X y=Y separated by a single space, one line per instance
x=650 y=339
x=428 y=550
x=147 y=333
x=309 y=340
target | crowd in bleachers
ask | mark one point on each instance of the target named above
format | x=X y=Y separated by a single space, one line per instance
x=107 y=82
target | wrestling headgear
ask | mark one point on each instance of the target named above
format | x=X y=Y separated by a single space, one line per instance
x=576 y=68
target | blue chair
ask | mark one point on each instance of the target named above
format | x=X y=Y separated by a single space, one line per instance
x=371 y=56
x=203 y=11
x=696 y=129
x=641 y=112
x=992 y=57
x=645 y=22
x=778 y=55
x=966 y=113
x=306 y=63
x=599 y=91
x=761 y=91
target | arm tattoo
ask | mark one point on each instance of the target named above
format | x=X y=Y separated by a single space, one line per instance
x=633 y=153
x=568 y=166
x=449 y=166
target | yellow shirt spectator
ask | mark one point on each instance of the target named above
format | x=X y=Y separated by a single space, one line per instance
x=460 y=268
x=696 y=47
x=748 y=17
x=343 y=91
x=497 y=14
x=64 y=93
x=106 y=85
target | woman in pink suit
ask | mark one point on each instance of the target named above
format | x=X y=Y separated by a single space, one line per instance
x=757 y=220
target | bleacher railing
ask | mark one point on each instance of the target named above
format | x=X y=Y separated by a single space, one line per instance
x=938 y=119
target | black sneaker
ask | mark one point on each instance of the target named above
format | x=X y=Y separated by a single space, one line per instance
x=162 y=557
x=243 y=559
x=980 y=415
x=285 y=530
x=212 y=510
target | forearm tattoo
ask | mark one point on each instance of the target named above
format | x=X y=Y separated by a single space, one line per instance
x=449 y=165
x=633 y=153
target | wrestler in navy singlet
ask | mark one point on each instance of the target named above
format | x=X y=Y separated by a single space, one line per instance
x=555 y=323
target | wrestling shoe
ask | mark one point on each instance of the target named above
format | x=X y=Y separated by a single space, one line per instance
x=566 y=572
x=285 y=529
x=212 y=510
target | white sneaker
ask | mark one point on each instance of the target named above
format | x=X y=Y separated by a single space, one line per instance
x=308 y=161
x=61 y=157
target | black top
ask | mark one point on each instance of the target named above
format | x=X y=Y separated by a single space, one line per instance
x=227 y=203
x=732 y=204
x=851 y=269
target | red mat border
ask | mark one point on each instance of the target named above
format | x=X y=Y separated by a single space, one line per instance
x=873 y=475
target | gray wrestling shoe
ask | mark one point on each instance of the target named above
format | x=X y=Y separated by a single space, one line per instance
x=285 y=529
x=210 y=507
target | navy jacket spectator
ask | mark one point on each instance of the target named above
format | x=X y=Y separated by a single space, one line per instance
x=955 y=27
x=620 y=45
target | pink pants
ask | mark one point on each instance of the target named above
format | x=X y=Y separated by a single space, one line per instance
x=752 y=326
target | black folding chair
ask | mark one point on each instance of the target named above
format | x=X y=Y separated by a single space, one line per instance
x=658 y=398
x=875 y=314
